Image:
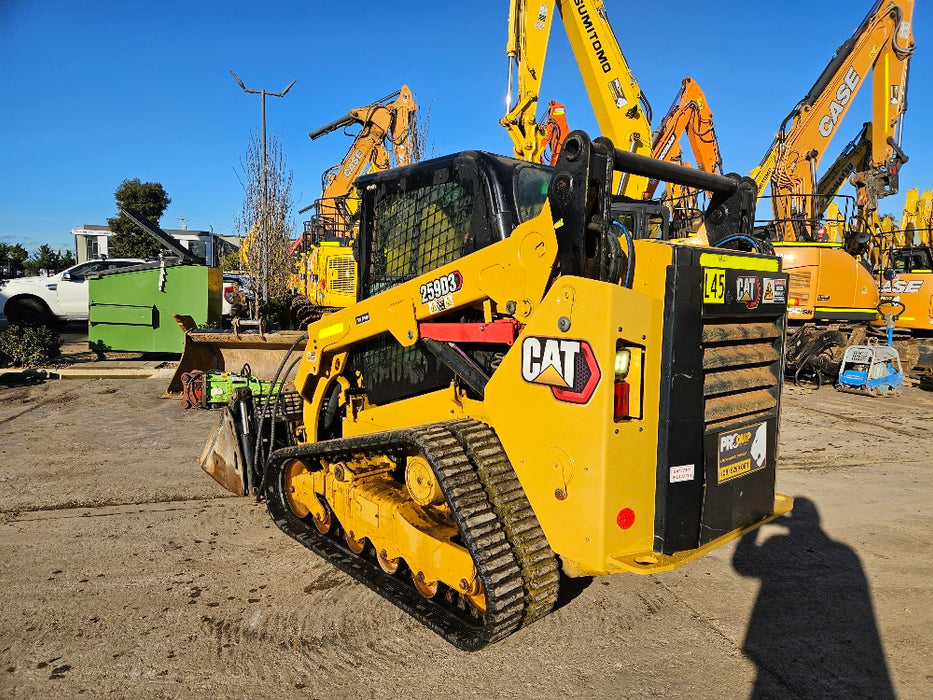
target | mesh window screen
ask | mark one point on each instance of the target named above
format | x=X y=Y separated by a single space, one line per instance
x=414 y=232
x=417 y=231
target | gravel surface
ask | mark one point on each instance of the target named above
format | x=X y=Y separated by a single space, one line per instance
x=126 y=571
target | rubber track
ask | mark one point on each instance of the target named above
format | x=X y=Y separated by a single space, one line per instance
x=538 y=563
x=482 y=534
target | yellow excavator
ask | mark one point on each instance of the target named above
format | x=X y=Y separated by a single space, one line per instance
x=904 y=270
x=407 y=455
x=827 y=284
x=621 y=109
x=326 y=271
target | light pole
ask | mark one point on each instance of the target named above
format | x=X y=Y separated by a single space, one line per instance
x=264 y=232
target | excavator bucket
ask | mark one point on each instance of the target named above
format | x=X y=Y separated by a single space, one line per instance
x=231 y=351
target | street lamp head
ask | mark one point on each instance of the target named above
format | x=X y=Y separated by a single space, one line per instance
x=235 y=77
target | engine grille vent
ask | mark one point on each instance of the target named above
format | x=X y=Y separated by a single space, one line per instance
x=342 y=274
x=741 y=369
x=799 y=284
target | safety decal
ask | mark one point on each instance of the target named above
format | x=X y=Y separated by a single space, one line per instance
x=775 y=290
x=748 y=291
x=567 y=366
x=542 y=17
x=684 y=472
x=436 y=306
x=618 y=94
x=742 y=451
x=714 y=286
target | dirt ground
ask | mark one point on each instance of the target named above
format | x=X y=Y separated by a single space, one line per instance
x=126 y=571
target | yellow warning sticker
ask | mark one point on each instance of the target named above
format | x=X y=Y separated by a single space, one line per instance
x=734 y=470
x=714 y=286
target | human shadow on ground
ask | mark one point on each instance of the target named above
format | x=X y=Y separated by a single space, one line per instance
x=812 y=632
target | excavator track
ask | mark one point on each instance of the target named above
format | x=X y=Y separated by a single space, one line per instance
x=535 y=557
x=479 y=486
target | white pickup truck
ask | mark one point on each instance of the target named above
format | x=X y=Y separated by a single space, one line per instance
x=38 y=301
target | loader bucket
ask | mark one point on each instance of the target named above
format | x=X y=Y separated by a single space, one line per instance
x=229 y=351
x=222 y=456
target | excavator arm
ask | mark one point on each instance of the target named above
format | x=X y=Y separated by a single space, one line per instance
x=621 y=110
x=387 y=121
x=689 y=114
x=882 y=45
x=390 y=119
x=855 y=156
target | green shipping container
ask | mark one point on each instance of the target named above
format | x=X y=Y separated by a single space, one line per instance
x=132 y=309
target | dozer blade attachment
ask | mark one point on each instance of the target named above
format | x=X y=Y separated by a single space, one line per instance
x=229 y=351
x=222 y=457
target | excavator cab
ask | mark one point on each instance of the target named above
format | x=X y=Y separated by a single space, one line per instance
x=643 y=219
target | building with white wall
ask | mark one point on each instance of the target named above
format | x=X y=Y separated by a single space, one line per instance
x=92 y=241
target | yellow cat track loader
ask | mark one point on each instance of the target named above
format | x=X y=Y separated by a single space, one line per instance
x=515 y=393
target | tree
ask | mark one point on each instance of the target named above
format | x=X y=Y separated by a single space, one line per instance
x=128 y=240
x=15 y=254
x=272 y=218
x=47 y=259
x=12 y=258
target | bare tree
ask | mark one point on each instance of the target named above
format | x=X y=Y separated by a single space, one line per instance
x=266 y=216
x=420 y=130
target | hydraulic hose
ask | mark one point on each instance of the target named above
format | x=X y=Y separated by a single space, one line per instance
x=262 y=416
x=630 y=264
x=747 y=239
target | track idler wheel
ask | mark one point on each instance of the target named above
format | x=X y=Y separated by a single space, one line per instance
x=390 y=566
x=426 y=588
x=356 y=545
x=293 y=471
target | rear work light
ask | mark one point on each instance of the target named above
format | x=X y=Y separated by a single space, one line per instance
x=628 y=378
x=622 y=389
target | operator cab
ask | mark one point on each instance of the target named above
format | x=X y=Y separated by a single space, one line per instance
x=434 y=212
x=914 y=259
x=643 y=219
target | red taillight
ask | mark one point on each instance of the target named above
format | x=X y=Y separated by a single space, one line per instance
x=229 y=293
x=323 y=285
x=626 y=518
x=621 y=406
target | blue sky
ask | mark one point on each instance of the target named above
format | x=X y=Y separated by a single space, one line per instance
x=97 y=92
